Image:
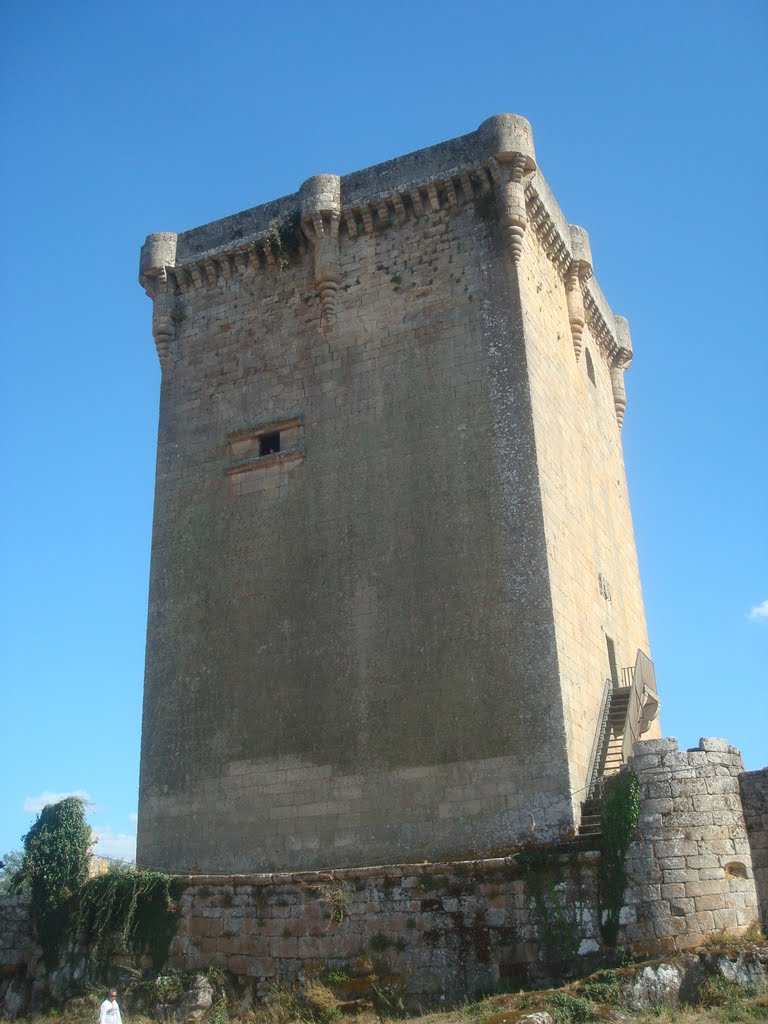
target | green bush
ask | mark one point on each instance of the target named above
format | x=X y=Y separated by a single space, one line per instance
x=55 y=866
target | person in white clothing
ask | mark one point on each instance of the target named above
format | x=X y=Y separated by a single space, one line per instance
x=109 y=1011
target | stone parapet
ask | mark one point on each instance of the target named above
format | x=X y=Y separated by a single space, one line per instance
x=497 y=159
x=690 y=866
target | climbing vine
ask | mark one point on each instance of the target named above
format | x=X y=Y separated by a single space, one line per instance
x=54 y=866
x=129 y=910
x=561 y=926
x=620 y=815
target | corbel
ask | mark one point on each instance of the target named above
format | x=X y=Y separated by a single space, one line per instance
x=182 y=279
x=351 y=221
x=320 y=198
x=209 y=266
x=466 y=187
x=254 y=256
x=619 y=363
x=196 y=274
x=578 y=272
x=418 y=206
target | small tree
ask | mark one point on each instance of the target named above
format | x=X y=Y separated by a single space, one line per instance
x=55 y=865
x=11 y=875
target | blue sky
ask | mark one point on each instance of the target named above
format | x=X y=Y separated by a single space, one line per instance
x=649 y=121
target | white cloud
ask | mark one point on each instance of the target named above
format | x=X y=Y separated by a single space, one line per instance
x=759 y=612
x=109 y=843
x=35 y=804
x=114 y=844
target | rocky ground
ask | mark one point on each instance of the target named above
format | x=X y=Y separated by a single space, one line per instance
x=715 y=984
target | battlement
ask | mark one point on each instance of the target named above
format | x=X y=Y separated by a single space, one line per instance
x=495 y=164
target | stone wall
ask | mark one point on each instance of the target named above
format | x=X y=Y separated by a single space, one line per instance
x=592 y=560
x=19 y=952
x=690 y=866
x=437 y=929
x=754 y=800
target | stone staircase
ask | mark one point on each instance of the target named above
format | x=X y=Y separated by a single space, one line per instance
x=608 y=755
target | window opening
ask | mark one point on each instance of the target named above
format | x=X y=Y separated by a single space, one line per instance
x=590 y=366
x=612 y=662
x=269 y=443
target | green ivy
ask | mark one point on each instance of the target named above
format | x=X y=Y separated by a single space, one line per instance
x=620 y=815
x=561 y=927
x=54 y=866
x=130 y=910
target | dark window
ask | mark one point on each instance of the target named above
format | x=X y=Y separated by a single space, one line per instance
x=269 y=443
x=612 y=662
x=590 y=365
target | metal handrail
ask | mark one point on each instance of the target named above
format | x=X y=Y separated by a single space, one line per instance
x=599 y=741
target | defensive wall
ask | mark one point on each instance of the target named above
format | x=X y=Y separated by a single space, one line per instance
x=450 y=929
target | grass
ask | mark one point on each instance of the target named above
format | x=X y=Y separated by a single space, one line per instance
x=724 y=1003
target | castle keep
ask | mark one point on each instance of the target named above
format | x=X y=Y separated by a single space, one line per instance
x=393 y=562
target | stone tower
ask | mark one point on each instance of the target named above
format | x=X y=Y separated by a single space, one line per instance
x=393 y=561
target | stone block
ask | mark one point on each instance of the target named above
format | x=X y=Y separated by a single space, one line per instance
x=664 y=745
x=703 y=860
x=701 y=921
x=239 y=965
x=669 y=926
x=717 y=901
x=710 y=744
x=725 y=918
x=680 y=875
x=675 y=848
x=699 y=888
x=657 y=805
x=710 y=874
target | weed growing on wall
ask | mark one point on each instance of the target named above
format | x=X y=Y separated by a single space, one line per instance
x=335 y=895
x=283 y=238
x=130 y=910
x=621 y=812
x=54 y=866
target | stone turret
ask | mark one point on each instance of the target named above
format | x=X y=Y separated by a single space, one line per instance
x=690 y=867
x=320 y=213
